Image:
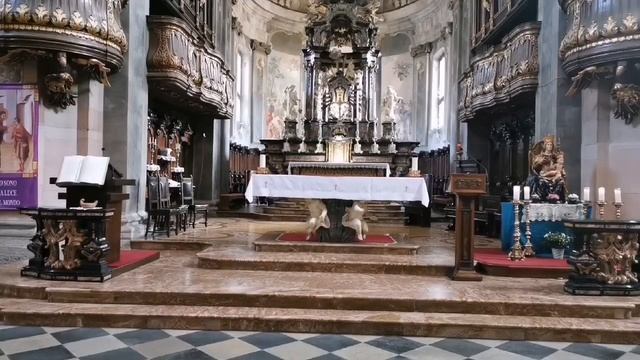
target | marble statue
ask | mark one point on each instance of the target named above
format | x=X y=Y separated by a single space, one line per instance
x=389 y=105
x=318 y=217
x=547 y=166
x=291 y=102
x=354 y=219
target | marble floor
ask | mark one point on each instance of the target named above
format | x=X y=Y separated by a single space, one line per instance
x=53 y=343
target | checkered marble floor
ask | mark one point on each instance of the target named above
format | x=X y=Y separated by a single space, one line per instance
x=43 y=343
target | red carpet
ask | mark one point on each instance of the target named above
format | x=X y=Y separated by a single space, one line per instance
x=371 y=239
x=495 y=262
x=131 y=259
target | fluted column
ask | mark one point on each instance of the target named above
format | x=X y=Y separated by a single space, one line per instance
x=259 y=57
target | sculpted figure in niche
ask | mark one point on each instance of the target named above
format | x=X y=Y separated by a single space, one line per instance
x=354 y=219
x=547 y=165
x=389 y=105
x=317 y=217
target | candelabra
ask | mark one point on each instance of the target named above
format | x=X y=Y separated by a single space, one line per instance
x=528 y=247
x=618 y=206
x=601 y=205
x=516 y=253
x=586 y=206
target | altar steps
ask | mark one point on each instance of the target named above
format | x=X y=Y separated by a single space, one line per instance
x=509 y=327
x=377 y=212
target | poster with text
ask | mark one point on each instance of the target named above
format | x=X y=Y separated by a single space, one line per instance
x=19 y=106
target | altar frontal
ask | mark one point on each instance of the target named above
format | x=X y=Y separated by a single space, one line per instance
x=336 y=204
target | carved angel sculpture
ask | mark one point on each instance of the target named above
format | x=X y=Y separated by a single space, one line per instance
x=354 y=219
x=317 y=217
x=583 y=79
x=97 y=69
x=627 y=99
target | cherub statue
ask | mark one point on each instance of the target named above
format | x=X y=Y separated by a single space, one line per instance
x=354 y=219
x=317 y=217
x=58 y=85
x=547 y=165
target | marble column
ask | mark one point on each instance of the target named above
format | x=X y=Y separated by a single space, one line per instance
x=125 y=117
x=259 y=57
x=90 y=116
x=459 y=57
x=556 y=113
x=421 y=59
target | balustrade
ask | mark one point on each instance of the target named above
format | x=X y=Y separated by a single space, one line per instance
x=491 y=15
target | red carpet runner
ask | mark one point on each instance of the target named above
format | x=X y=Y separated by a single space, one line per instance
x=495 y=262
x=371 y=239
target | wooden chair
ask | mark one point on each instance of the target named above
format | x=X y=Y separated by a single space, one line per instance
x=159 y=207
x=193 y=209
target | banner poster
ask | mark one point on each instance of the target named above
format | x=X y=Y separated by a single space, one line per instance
x=19 y=115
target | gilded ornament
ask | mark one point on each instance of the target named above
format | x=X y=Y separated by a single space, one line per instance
x=59 y=18
x=627 y=100
x=8 y=13
x=611 y=28
x=76 y=22
x=92 y=25
x=41 y=15
x=592 y=32
x=630 y=24
x=22 y=14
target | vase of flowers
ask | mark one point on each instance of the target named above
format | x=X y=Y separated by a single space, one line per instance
x=557 y=241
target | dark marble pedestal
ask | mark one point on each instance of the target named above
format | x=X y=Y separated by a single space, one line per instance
x=337 y=233
x=604 y=257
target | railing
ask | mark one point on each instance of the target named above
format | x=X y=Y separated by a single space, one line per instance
x=504 y=72
x=436 y=163
x=177 y=60
x=201 y=15
x=242 y=160
x=490 y=15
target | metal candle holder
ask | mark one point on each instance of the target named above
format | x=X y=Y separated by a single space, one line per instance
x=586 y=206
x=618 y=206
x=528 y=247
x=601 y=205
x=516 y=253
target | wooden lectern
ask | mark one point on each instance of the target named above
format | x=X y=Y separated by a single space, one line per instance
x=467 y=188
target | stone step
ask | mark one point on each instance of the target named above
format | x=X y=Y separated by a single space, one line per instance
x=247 y=259
x=506 y=327
x=314 y=247
x=288 y=211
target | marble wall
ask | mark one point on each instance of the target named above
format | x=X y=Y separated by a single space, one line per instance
x=284 y=67
x=398 y=76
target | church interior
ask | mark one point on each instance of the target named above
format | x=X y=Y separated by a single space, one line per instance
x=319 y=179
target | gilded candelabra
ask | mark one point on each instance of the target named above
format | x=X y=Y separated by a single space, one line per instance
x=516 y=253
x=601 y=205
x=586 y=206
x=618 y=206
x=528 y=248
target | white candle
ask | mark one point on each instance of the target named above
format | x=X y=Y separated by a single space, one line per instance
x=527 y=193
x=516 y=192
x=586 y=194
x=263 y=160
x=414 y=163
x=617 y=195
x=601 y=194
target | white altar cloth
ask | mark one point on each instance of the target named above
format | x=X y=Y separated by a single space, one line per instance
x=350 y=165
x=555 y=212
x=338 y=187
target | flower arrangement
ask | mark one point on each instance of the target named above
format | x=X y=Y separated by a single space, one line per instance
x=557 y=240
x=573 y=199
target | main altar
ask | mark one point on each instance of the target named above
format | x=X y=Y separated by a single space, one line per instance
x=337 y=120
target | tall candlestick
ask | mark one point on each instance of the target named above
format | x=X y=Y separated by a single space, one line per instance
x=414 y=163
x=617 y=195
x=527 y=193
x=586 y=194
x=263 y=160
x=601 y=194
x=516 y=193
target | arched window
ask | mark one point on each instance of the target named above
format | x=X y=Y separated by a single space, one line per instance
x=438 y=91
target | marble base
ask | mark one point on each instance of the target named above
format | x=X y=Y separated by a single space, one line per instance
x=577 y=287
x=279 y=246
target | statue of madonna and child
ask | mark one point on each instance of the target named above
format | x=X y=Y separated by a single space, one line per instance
x=548 y=175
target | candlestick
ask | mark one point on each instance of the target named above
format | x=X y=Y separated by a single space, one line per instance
x=263 y=160
x=617 y=195
x=586 y=206
x=516 y=253
x=618 y=206
x=586 y=194
x=527 y=193
x=516 y=193
x=601 y=205
x=414 y=163
x=601 y=197
x=528 y=247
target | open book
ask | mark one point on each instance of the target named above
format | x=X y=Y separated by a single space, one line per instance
x=83 y=170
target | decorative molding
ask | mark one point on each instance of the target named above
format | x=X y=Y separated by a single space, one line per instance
x=260 y=46
x=421 y=49
x=502 y=73
x=185 y=72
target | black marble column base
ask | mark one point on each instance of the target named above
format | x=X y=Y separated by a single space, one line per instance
x=89 y=273
x=594 y=288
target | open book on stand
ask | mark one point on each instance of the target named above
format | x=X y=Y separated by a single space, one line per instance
x=83 y=170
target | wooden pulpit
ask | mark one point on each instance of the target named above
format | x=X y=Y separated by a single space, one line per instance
x=467 y=188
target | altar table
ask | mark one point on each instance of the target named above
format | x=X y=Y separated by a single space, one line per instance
x=338 y=187
x=338 y=169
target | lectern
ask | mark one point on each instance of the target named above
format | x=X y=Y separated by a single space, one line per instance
x=467 y=188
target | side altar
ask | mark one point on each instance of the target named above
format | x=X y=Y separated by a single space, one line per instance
x=336 y=203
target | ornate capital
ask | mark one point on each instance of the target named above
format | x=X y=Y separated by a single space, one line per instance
x=421 y=49
x=260 y=46
x=236 y=25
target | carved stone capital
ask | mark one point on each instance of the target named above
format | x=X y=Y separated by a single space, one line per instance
x=421 y=49
x=260 y=46
x=236 y=25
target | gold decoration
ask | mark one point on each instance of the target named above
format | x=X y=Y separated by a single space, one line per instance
x=59 y=18
x=630 y=24
x=41 y=15
x=22 y=14
x=593 y=32
x=611 y=28
x=616 y=257
x=627 y=99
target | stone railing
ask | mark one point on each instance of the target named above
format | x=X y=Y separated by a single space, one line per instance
x=599 y=31
x=91 y=29
x=186 y=72
x=504 y=72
